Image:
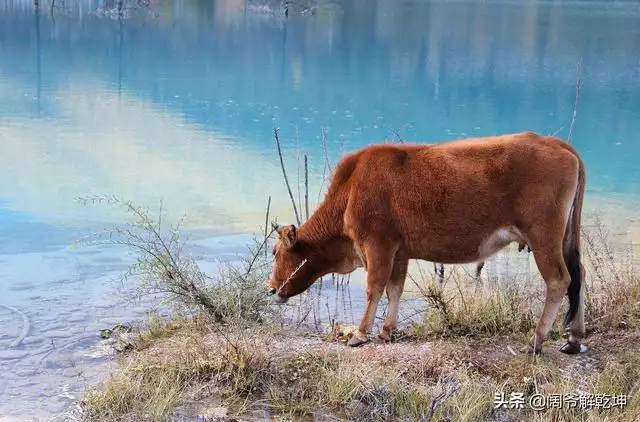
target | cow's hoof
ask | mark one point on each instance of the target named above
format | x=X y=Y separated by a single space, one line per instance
x=385 y=336
x=358 y=339
x=573 y=348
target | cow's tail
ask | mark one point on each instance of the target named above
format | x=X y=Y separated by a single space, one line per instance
x=571 y=247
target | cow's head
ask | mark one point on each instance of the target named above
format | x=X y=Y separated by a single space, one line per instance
x=295 y=265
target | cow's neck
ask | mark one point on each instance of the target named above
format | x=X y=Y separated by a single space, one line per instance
x=325 y=225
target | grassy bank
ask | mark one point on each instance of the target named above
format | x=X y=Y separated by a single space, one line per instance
x=295 y=375
x=239 y=356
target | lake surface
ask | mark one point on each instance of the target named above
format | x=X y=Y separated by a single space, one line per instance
x=178 y=102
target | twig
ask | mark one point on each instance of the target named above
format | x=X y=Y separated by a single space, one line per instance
x=304 y=261
x=326 y=162
x=266 y=223
x=557 y=131
x=306 y=186
x=442 y=397
x=325 y=148
x=577 y=99
x=396 y=136
x=396 y=133
x=255 y=255
x=284 y=173
x=298 y=170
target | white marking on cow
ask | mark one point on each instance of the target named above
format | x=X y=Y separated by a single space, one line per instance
x=498 y=240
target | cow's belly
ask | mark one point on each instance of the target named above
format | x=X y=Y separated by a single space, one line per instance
x=460 y=247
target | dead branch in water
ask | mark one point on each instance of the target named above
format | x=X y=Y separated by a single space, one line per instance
x=284 y=174
x=298 y=170
x=306 y=186
x=397 y=137
x=266 y=223
x=577 y=99
x=325 y=148
x=326 y=166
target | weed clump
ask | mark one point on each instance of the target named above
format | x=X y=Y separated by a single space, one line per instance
x=462 y=310
x=164 y=267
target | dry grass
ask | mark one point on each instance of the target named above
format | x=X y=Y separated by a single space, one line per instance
x=465 y=308
x=292 y=374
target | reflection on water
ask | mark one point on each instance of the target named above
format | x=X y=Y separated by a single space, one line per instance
x=182 y=106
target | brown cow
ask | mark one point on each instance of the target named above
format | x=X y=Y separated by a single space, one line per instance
x=455 y=202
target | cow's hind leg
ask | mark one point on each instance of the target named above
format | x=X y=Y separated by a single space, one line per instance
x=439 y=270
x=576 y=326
x=554 y=271
x=394 y=292
x=479 y=267
x=380 y=264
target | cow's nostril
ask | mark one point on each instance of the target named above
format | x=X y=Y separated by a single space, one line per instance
x=272 y=291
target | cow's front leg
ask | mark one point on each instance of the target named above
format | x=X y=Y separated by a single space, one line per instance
x=380 y=263
x=394 y=293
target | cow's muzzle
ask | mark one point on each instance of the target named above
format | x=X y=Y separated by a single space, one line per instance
x=279 y=299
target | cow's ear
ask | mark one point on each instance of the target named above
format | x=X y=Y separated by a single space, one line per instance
x=289 y=235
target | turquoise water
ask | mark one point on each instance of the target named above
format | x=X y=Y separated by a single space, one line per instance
x=181 y=107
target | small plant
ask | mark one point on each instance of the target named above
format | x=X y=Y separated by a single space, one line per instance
x=163 y=267
x=613 y=290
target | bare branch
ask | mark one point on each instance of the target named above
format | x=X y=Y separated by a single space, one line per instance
x=284 y=174
x=306 y=186
x=577 y=99
x=266 y=223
